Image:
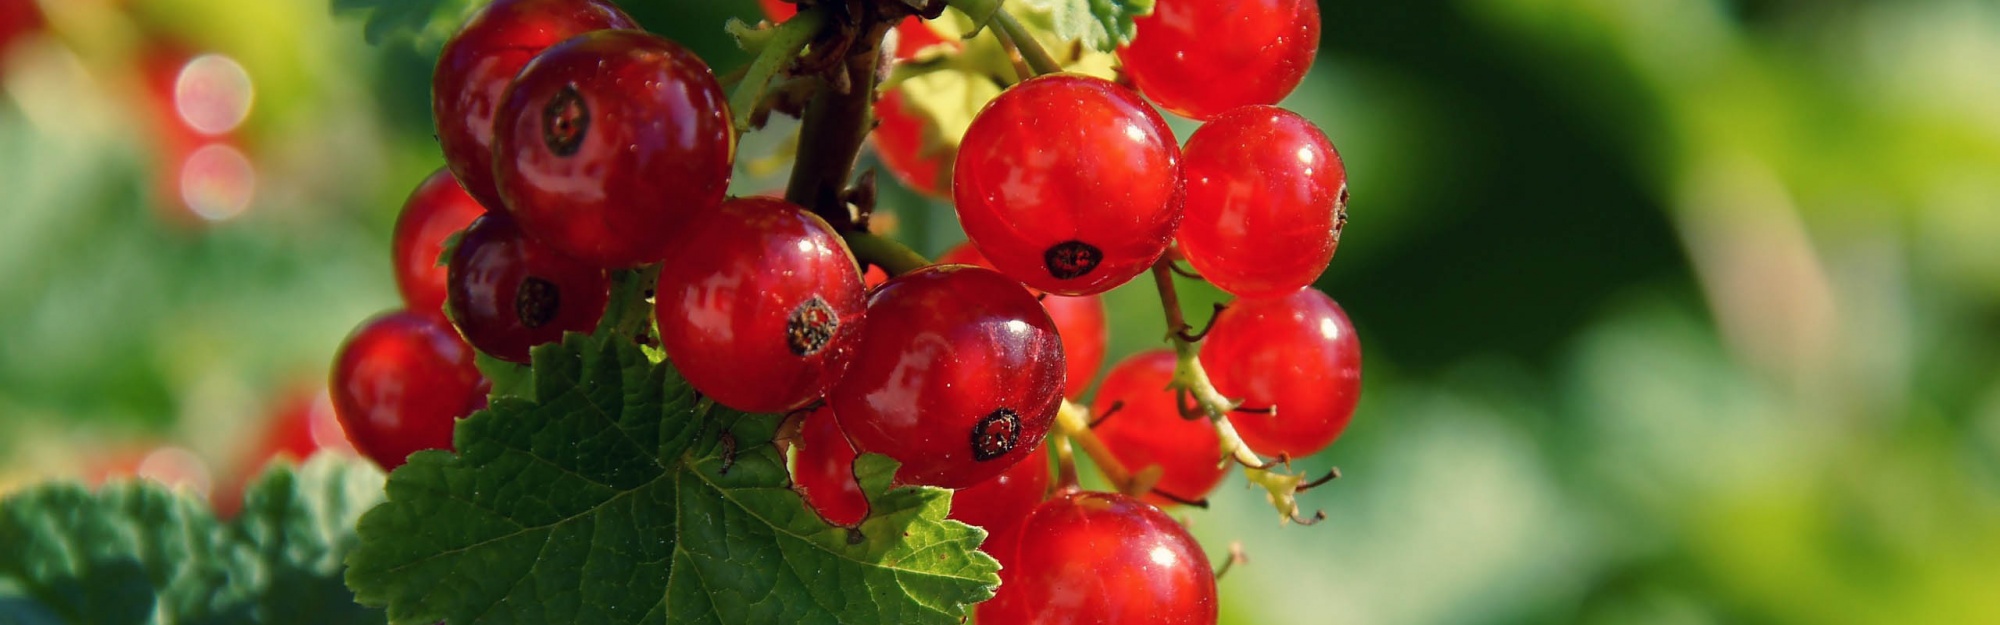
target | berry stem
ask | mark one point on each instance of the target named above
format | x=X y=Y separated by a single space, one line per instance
x=836 y=121
x=781 y=48
x=1073 y=422
x=889 y=254
x=1017 y=38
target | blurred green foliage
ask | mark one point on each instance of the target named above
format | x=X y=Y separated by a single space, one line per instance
x=1676 y=311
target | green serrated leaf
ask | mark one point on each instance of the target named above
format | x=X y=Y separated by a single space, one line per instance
x=423 y=21
x=618 y=496
x=135 y=552
x=1101 y=25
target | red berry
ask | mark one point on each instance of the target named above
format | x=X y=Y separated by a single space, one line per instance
x=761 y=308
x=1000 y=503
x=823 y=470
x=1086 y=557
x=1147 y=428
x=1076 y=207
x=612 y=143
x=957 y=375
x=438 y=209
x=1199 y=58
x=510 y=293
x=478 y=63
x=899 y=141
x=400 y=383
x=1297 y=353
x=1266 y=199
x=1080 y=321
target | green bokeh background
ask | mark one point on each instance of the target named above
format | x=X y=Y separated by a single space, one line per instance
x=1675 y=311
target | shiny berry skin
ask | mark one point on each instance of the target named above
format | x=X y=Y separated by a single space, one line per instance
x=823 y=470
x=1080 y=321
x=899 y=141
x=438 y=209
x=1266 y=201
x=510 y=292
x=478 y=63
x=957 y=375
x=1085 y=557
x=1199 y=58
x=610 y=144
x=1296 y=352
x=1000 y=503
x=1147 y=428
x=400 y=383
x=1071 y=208
x=761 y=308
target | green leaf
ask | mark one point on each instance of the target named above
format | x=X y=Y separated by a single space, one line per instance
x=425 y=21
x=618 y=496
x=135 y=552
x=1102 y=25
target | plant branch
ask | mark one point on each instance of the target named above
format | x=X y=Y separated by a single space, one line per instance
x=780 y=48
x=836 y=120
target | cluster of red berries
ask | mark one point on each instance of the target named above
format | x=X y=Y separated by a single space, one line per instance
x=578 y=145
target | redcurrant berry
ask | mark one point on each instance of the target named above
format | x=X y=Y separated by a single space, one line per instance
x=1146 y=428
x=1199 y=58
x=760 y=309
x=1080 y=321
x=1266 y=201
x=1297 y=353
x=1085 y=557
x=1000 y=503
x=823 y=470
x=957 y=375
x=510 y=292
x=899 y=141
x=438 y=209
x=1074 y=208
x=479 y=62
x=400 y=383
x=610 y=144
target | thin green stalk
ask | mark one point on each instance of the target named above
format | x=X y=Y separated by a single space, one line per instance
x=780 y=48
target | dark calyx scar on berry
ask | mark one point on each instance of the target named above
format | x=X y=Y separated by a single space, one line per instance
x=811 y=327
x=537 y=302
x=565 y=122
x=996 y=434
x=1071 y=259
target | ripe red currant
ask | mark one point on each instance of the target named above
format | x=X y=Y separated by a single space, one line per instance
x=1000 y=503
x=510 y=292
x=438 y=209
x=957 y=375
x=400 y=383
x=1080 y=321
x=761 y=307
x=1147 y=428
x=479 y=62
x=1266 y=200
x=899 y=141
x=1297 y=353
x=1085 y=557
x=1073 y=208
x=823 y=470
x=612 y=143
x=1199 y=58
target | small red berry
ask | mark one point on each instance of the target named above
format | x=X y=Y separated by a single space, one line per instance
x=400 y=383
x=438 y=209
x=1199 y=58
x=1147 y=429
x=1266 y=200
x=823 y=470
x=1297 y=353
x=510 y=292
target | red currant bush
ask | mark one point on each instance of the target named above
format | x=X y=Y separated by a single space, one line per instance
x=400 y=382
x=1071 y=208
x=1199 y=58
x=1087 y=557
x=760 y=309
x=823 y=470
x=479 y=62
x=957 y=375
x=1296 y=354
x=438 y=209
x=1266 y=200
x=509 y=293
x=1143 y=426
x=609 y=144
